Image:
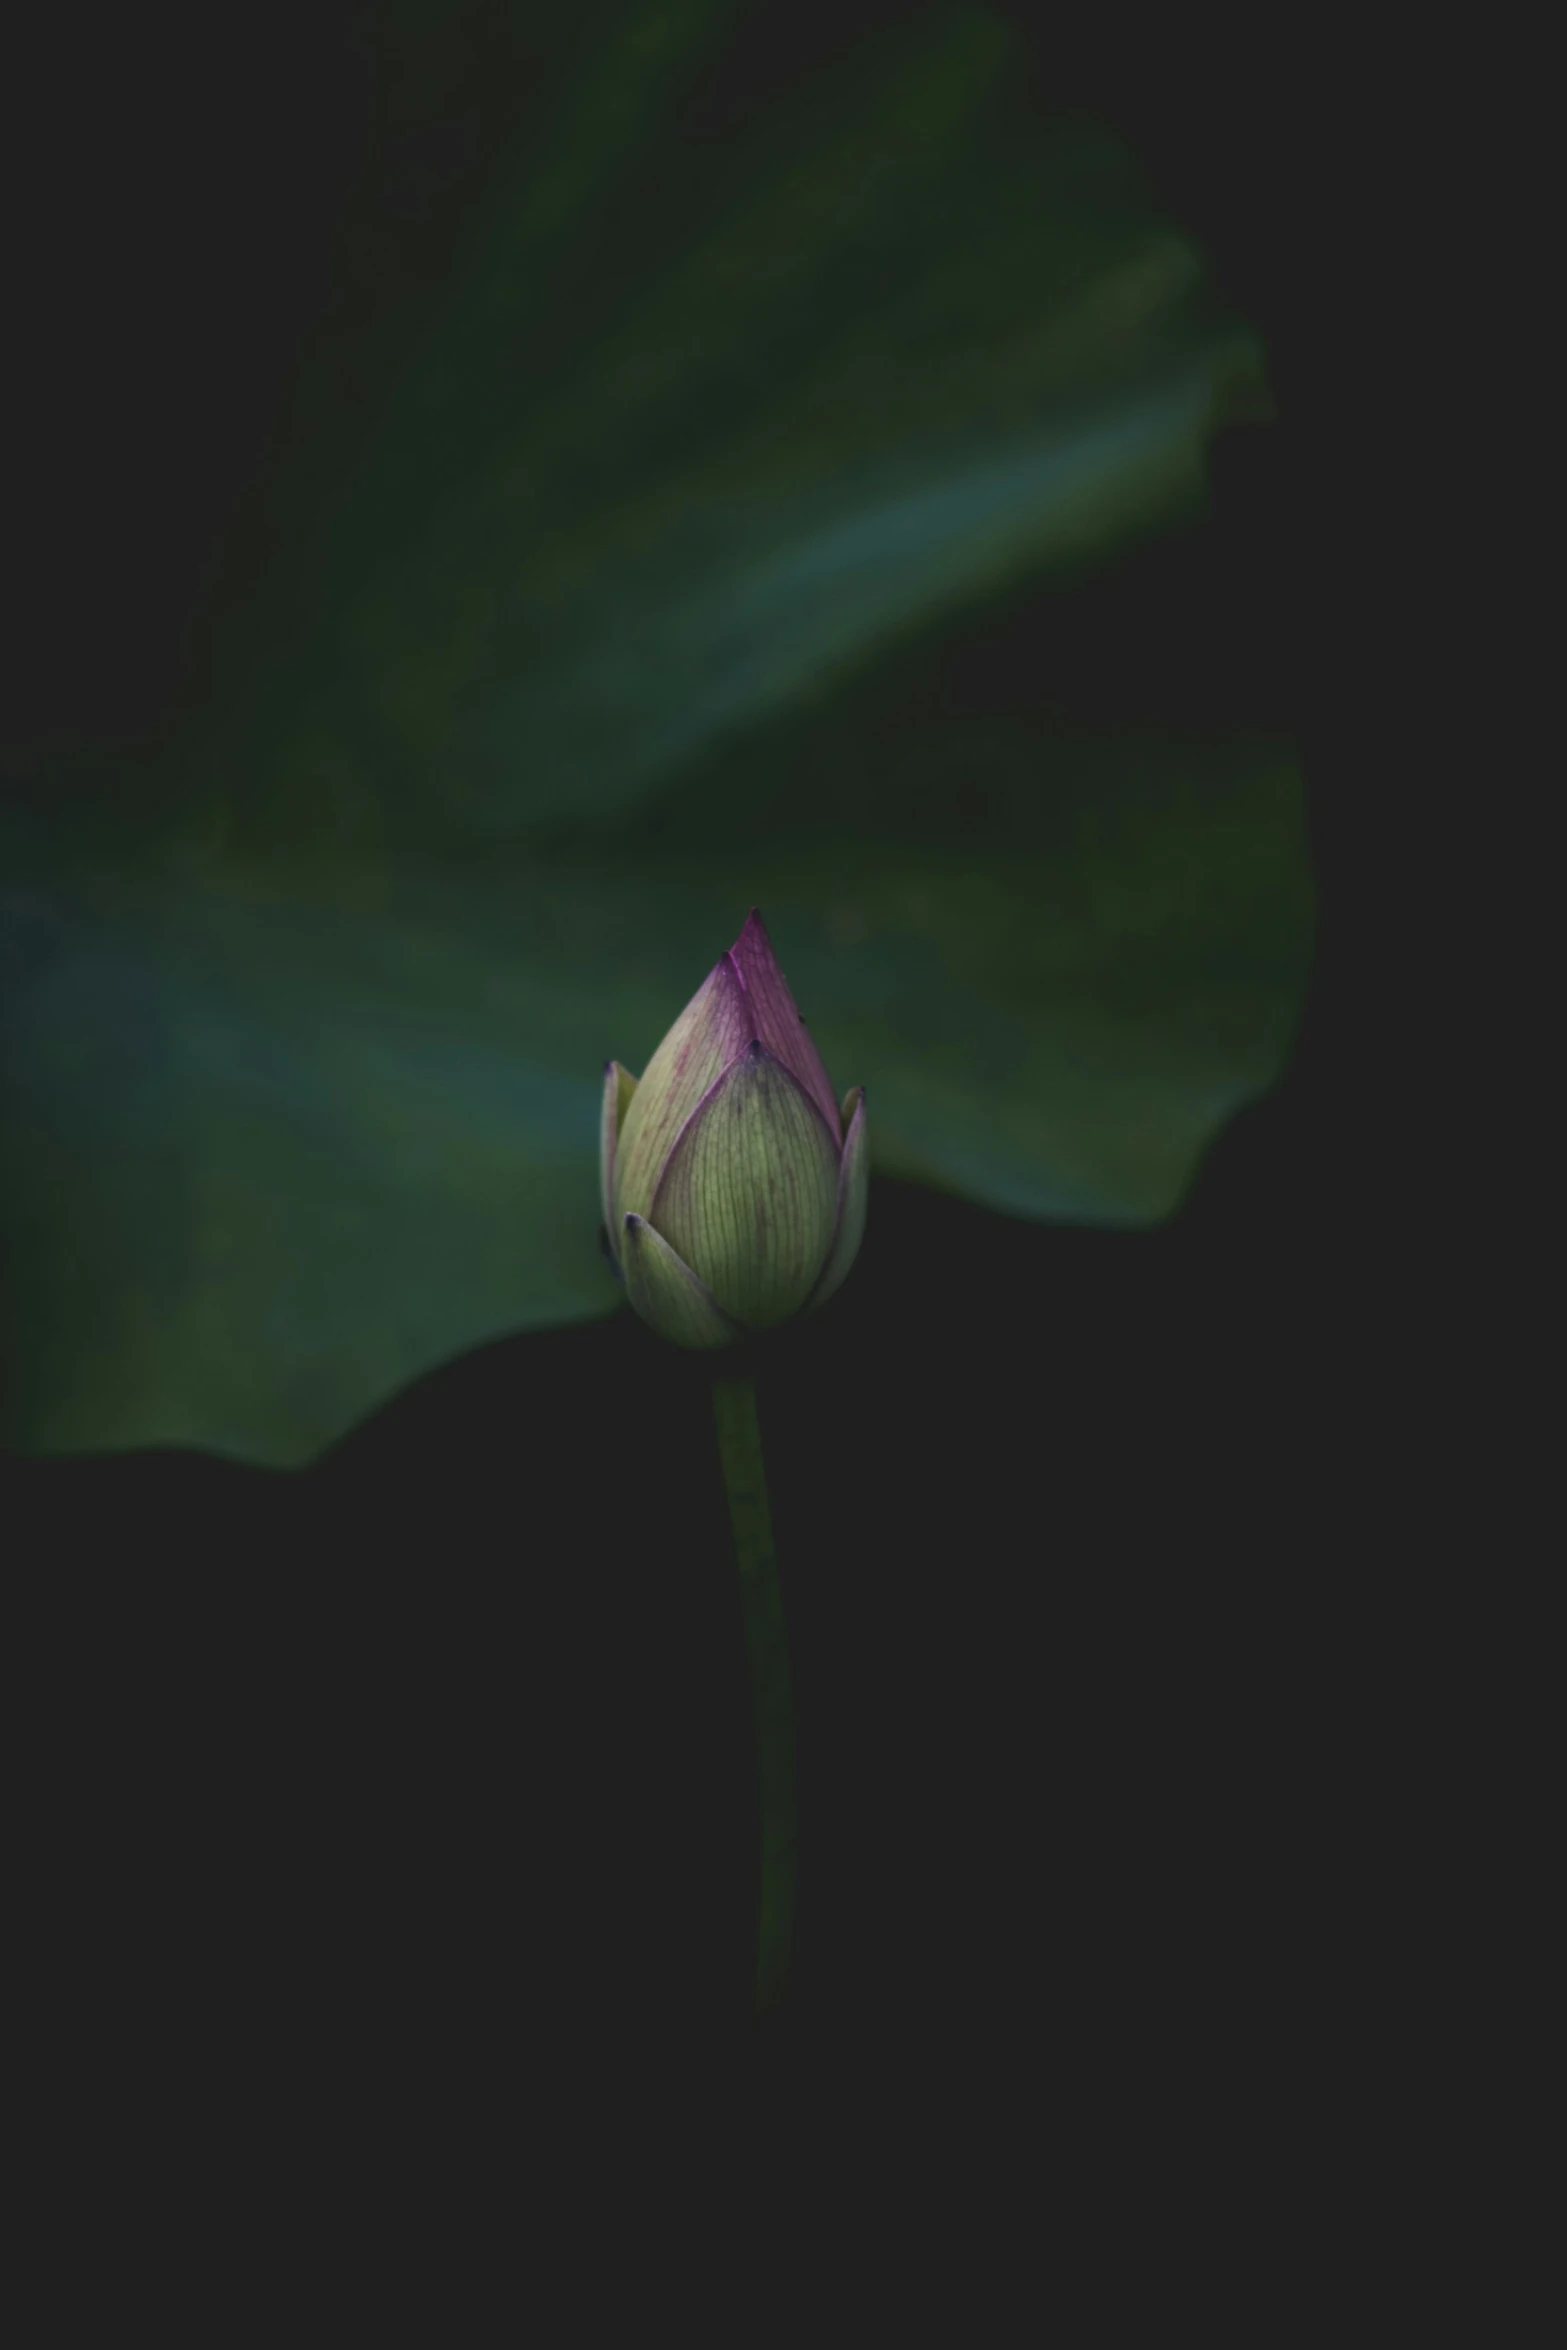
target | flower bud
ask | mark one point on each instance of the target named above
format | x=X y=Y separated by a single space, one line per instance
x=733 y=1183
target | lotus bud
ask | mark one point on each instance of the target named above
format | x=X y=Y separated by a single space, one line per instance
x=733 y=1181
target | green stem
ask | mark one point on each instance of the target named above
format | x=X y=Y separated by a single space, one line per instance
x=740 y=1451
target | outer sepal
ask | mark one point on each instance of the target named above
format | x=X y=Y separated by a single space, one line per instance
x=619 y=1086
x=853 y=1191
x=667 y=1294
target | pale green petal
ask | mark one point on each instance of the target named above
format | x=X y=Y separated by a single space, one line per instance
x=750 y=1195
x=667 y=1294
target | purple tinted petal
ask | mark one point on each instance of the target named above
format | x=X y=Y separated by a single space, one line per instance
x=776 y=1018
x=713 y=1030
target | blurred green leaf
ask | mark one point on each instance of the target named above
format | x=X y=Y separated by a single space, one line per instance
x=654 y=583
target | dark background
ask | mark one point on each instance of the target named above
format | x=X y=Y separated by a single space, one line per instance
x=392 y=1819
